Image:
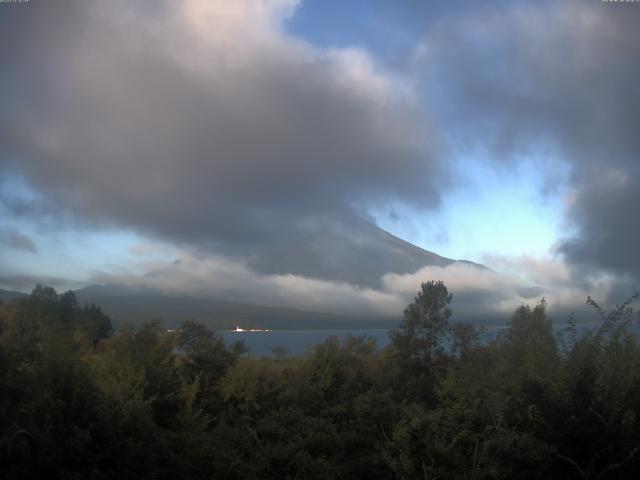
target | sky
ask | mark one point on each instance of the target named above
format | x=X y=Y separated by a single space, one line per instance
x=202 y=147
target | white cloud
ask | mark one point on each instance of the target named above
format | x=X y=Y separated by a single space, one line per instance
x=480 y=294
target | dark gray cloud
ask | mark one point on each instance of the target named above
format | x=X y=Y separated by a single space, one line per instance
x=202 y=123
x=18 y=241
x=559 y=78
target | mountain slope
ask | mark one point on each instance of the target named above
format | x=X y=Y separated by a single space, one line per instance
x=353 y=251
x=8 y=295
x=356 y=252
x=125 y=306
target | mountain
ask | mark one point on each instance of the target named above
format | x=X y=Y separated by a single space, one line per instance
x=350 y=250
x=355 y=252
x=126 y=306
x=8 y=295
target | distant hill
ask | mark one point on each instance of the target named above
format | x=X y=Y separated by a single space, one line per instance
x=8 y=295
x=125 y=306
x=129 y=306
x=354 y=251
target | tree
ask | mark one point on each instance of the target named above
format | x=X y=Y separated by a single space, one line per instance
x=425 y=323
x=204 y=360
x=194 y=336
x=418 y=344
x=92 y=321
x=67 y=306
x=531 y=328
x=464 y=337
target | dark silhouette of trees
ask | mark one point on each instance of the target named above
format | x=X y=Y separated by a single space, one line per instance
x=424 y=325
x=78 y=400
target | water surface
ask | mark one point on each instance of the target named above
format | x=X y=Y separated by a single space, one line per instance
x=298 y=342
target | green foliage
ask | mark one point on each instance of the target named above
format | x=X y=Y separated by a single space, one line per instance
x=80 y=401
x=424 y=325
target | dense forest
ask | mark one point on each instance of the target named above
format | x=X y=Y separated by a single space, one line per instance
x=78 y=400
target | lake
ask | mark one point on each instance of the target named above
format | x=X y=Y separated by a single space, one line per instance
x=298 y=342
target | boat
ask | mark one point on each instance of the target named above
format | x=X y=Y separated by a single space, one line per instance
x=252 y=330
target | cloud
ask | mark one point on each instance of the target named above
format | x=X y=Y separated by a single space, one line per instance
x=203 y=123
x=559 y=78
x=481 y=295
x=220 y=278
x=490 y=297
x=18 y=241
